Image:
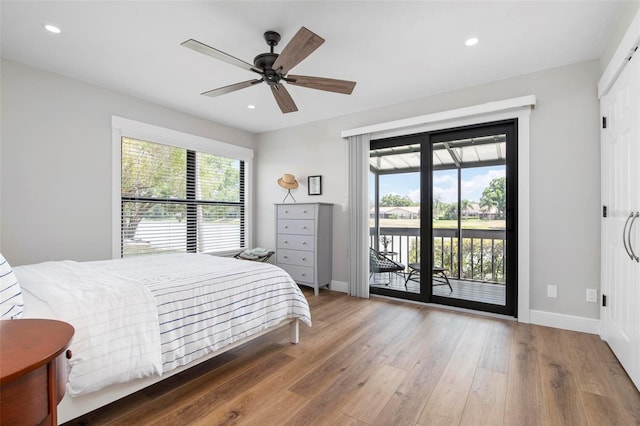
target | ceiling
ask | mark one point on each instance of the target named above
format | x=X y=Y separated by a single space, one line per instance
x=395 y=50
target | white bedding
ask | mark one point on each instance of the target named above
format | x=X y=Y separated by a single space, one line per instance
x=199 y=303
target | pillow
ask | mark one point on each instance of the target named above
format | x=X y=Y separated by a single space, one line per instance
x=11 y=303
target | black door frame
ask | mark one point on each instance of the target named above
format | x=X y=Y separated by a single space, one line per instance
x=426 y=140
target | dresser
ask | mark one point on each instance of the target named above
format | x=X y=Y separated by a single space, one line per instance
x=33 y=376
x=304 y=242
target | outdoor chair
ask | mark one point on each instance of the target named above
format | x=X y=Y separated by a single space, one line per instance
x=439 y=275
x=379 y=263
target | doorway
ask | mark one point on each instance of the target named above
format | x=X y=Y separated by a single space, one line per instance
x=451 y=194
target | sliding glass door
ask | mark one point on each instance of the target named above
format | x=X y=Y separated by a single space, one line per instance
x=445 y=202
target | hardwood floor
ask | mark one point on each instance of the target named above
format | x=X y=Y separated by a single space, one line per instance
x=380 y=362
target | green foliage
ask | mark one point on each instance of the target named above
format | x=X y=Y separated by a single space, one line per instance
x=395 y=200
x=495 y=195
x=151 y=170
x=482 y=261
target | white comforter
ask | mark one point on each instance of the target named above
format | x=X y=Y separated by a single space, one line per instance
x=115 y=319
x=142 y=316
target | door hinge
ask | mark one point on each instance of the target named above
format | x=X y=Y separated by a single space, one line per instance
x=604 y=211
x=604 y=300
x=604 y=122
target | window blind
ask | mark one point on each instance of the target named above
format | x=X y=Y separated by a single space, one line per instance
x=179 y=200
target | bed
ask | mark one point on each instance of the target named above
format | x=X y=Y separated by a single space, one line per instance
x=143 y=319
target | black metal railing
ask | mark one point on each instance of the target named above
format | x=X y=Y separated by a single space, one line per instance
x=476 y=254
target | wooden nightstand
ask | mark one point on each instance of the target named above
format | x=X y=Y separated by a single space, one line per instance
x=33 y=373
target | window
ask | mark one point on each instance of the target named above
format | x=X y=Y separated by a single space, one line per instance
x=174 y=197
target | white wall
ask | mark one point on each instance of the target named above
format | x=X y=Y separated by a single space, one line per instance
x=55 y=162
x=565 y=175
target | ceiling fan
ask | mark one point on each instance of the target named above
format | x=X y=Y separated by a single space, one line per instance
x=274 y=68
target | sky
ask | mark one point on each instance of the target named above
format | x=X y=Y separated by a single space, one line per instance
x=445 y=185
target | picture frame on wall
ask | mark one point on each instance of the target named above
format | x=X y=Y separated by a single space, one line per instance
x=315 y=185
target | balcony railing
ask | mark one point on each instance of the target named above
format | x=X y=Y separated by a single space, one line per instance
x=478 y=254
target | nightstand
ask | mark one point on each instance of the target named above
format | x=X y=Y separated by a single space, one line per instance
x=33 y=376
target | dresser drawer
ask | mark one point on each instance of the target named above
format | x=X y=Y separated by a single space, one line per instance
x=296 y=226
x=301 y=274
x=295 y=257
x=293 y=211
x=296 y=242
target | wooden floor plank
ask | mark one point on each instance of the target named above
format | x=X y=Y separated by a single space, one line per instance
x=370 y=399
x=622 y=387
x=588 y=370
x=447 y=401
x=486 y=402
x=602 y=410
x=497 y=349
x=525 y=399
x=562 y=394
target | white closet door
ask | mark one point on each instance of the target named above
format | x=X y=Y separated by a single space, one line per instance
x=621 y=189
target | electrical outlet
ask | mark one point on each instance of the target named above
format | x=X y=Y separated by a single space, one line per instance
x=592 y=295
x=552 y=291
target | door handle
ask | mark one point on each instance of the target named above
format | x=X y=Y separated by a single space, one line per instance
x=633 y=254
x=624 y=232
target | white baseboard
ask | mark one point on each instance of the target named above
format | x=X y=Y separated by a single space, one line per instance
x=341 y=286
x=565 y=322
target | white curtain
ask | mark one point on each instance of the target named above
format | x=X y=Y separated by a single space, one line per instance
x=358 y=210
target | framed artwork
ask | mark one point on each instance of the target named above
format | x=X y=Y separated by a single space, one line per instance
x=315 y=185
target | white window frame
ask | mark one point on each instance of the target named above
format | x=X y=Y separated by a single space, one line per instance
x=124 y=127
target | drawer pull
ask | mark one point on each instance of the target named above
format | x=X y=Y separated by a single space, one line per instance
x=304 y=243
x=69 y=354
x=304 y=258
x=286 y=226
x=304 y=227
x=286 y=257
x=286 y=211
x=304 y=275
x=304 y=211
x=286 y=242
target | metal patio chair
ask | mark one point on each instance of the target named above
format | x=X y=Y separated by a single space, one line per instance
x=379 y=263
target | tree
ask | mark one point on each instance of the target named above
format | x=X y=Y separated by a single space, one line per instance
x=151 y=170
x=395 y=200
x=437 y=203
x=465 y=206
x=449 y=211
x=143 y=179
x=495 y=195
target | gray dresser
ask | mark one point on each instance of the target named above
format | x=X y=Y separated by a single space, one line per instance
x=304 y=234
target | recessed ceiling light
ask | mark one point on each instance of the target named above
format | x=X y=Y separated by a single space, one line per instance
x=471 y=41
x=52 y=29
x=251 y=106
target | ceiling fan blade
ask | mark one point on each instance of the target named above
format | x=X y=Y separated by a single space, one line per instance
x=301 y=45
x=319 y=83
x=231 y=88
x=218 y=54
x=283 y=98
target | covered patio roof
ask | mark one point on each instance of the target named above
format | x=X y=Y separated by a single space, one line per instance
x=458 y=154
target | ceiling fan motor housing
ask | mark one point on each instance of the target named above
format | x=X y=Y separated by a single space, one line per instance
x=265 y=62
